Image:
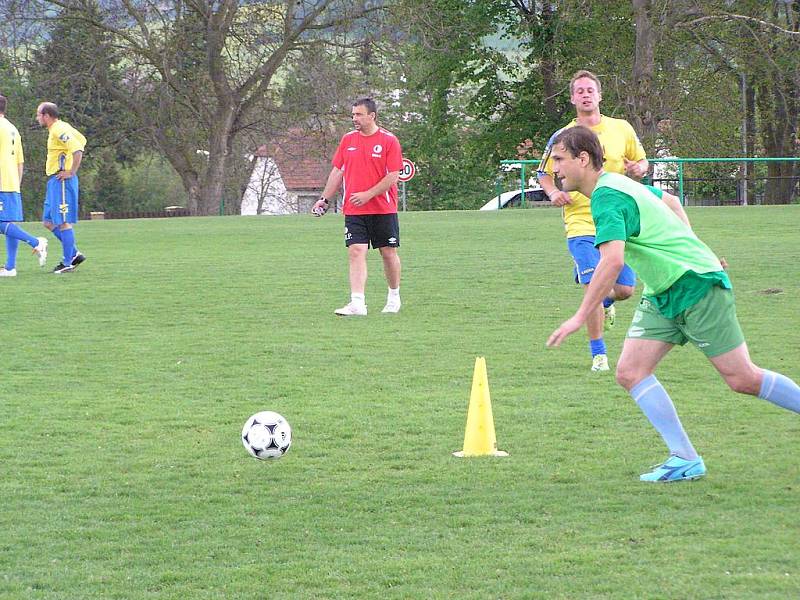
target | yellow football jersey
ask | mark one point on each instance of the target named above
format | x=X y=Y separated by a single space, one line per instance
x=619 y=141
x=10 y=156
x=64 y=139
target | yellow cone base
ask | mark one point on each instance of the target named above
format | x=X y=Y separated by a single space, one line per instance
x=479 y=436
x=460 y=454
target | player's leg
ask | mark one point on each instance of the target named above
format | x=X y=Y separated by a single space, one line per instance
x=622 y=290
x=385 y=236
x=53 y=216
x=10 y=212
x=78 y=257
x=391 y=269
x=357 y=242
x=10 y=268
x=636 y=373
x=14 y=235
x=68 y=210
x=586 y=256
x=650 y=337
x=357 y=258
x=735 y=366
x=597 y=344
x=68 y=244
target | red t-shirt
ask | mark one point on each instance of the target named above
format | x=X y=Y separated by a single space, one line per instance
x=365 y=160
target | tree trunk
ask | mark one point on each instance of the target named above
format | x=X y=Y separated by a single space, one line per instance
x=640 y=96
x=550 y=85
x=779 y=133
x=749 y=146
x=210 y=197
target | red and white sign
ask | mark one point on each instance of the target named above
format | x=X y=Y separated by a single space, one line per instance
x=408 y=171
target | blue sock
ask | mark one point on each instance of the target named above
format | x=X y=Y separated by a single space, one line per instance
x=780 y=390
x=68 y=243
x=607 y=302
x=11 y=252
x=657 y=406
x=597 y=346
x=13 y=231
x=56 y=232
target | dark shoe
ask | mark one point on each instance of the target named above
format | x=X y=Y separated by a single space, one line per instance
x=61 y=268
x=78 y=259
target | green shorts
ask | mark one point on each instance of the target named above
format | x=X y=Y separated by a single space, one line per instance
x=711 y=324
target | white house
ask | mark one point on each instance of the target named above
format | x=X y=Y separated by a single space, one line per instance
x=288 y=174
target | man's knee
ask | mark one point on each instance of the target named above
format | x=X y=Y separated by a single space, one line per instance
x=748 y=382
x=628 y=375
x=623 y=292
x=357 y=250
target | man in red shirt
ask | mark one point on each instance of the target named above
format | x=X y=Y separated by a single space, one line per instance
x=368 y=160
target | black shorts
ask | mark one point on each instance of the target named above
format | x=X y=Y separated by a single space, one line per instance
x=378 y=231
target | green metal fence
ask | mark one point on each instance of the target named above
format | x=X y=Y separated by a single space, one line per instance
x=706 y=181
x=743 y=182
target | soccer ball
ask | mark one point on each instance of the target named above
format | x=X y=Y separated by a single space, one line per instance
x=267 y=435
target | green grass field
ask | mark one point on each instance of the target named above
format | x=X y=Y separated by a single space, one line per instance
x=126 y=384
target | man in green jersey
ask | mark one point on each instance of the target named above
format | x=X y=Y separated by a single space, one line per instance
x=687 y=297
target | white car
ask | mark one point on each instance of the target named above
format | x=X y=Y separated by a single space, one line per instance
x=513 y=199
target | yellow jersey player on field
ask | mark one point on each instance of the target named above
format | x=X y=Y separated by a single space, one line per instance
x=65 y=146
x=11 y=167
x=623 y=153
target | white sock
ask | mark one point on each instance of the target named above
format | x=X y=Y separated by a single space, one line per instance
x=394 y=294
x=357 y=299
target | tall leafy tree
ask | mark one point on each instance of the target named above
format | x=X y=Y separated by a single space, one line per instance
x=197 y=73
x=757 y=45
x=75 y=66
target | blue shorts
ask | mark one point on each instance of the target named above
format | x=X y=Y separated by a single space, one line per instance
x=586 y=257
x=61 y=204
x=10 y=206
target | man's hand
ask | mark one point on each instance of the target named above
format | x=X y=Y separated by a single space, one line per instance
x=566 y=329
x=62 y=175
x=559 y=198
x=320 y=207
x=360 y=198
x=633 y=169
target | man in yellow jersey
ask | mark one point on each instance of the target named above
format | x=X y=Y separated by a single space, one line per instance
x=65 y=146
x=622 y=153
x=11 y=168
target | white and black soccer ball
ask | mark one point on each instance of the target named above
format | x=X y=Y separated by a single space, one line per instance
x=267 y=435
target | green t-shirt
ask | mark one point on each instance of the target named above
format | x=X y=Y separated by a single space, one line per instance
x=677 y=269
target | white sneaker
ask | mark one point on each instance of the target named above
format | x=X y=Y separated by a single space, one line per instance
x=41 y=251
x=600 y=363
x=7 y=273
x=352 y=310
x=610 y=315
x=392 y=306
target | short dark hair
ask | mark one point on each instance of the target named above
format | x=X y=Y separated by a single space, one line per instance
x=581 y=74
x=582 y=139
x=49 y=108
x=369 y=103
x=3 y=102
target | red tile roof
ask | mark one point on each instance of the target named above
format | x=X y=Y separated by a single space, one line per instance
x=303 y=157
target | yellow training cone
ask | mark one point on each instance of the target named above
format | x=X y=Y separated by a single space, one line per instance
x=479 y=438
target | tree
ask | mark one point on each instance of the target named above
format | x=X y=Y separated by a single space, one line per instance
x=199 y=73
x=758 y=44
